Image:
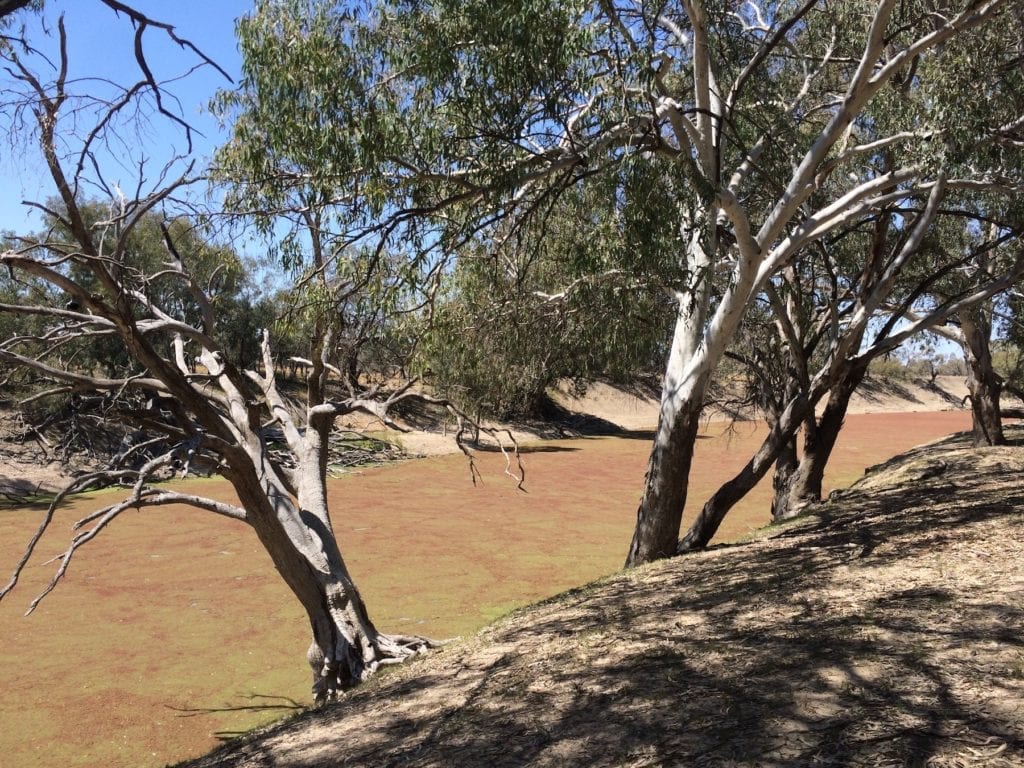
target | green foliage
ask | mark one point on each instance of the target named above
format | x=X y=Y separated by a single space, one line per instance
x=1008 y=347
x=1008 y=362
x=577 y=296
x=146 y=267
x=14 y=292
x=916 y=366
x=362 y=112
x=240 y=319
x=890 y=368
x=528 y=142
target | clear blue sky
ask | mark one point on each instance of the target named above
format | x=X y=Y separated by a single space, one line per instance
x=100 y=45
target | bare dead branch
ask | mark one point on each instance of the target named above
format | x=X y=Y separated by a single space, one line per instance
x=141 y=496
x=79 y=484
x=462 y=420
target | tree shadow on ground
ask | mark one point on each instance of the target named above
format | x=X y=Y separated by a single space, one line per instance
x=945 y=394
x=568 y=423
x=483 y=447
x=876 y=389
x=263 y=703
x=19 y=493
x=882 y=630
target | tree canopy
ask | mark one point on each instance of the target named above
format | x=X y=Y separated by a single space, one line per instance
x=438 y=129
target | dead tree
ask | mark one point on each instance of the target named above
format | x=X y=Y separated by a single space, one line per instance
x=210 y=417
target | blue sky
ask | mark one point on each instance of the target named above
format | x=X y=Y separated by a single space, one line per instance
x=100 y=45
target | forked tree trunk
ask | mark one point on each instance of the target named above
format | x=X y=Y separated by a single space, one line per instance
x=698 y=344
x=687 y=374
x=983 y=383
x=777 y=442
x=346 y=647
x=803 y=486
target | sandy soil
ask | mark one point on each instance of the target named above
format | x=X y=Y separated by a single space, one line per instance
x=605 y=407
x=881 y=630
x=26 y=466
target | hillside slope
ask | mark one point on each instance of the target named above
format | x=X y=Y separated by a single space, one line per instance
x=883 y=629
x=603 y=408
x=637 y=407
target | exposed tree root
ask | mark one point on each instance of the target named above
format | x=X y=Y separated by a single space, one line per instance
x=332 y=677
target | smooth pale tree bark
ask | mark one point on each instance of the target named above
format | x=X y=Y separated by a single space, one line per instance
x=984 y=385
x=687 y=375
x=760 y=253
x=797 y=481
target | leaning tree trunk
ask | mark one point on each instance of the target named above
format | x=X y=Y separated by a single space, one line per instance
x=297 y=533
x=777 y=442
x=983 y=383
x=687 y=374
x=804 y=485
x=786 y=466
x=668 y=473
x=698 y=343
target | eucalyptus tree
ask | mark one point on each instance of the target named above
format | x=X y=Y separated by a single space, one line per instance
x=73 y=427
x=866 y=290
x=902 y=307
x=869 y=285
x=974 y=328
x=878 y=98
x=442 y=123
x=83 y=277
x=991 y=137
x=575 y=297
x=975 y=222
x=968 y=252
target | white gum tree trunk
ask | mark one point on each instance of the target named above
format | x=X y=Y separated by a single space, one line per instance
x=799 y=215
x=661 y=508
x=698 y=344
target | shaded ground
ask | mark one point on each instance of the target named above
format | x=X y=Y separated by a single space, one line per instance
x=882 y=630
